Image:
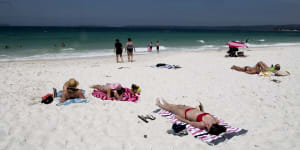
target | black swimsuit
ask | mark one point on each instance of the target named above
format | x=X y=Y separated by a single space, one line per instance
x=130 y=48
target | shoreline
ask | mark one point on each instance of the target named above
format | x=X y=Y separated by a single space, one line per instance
x=144 y=54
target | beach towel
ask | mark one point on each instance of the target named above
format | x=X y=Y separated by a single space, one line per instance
x=162 y=65
x=128 y=95
x=202 y=134
x=69 y=101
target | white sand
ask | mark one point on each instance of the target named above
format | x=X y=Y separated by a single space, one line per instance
x=269 y=111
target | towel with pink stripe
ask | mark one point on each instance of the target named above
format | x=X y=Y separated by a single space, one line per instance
x=202 y=134
x=128 y=95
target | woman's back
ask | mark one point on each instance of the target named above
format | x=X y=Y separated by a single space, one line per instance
x=129 y=45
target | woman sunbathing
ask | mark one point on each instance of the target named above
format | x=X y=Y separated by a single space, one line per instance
x=259 y=67
x=111 y=89
x=70 y=91
x=195 y=117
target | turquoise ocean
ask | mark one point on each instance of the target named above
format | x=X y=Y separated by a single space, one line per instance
x=35 y=43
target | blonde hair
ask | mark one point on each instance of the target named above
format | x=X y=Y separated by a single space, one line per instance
x=71 y=84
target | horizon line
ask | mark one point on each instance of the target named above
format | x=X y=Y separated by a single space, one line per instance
x=126 y=26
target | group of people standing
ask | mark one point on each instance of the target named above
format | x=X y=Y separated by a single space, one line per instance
x=151 y=45
x=129 y=48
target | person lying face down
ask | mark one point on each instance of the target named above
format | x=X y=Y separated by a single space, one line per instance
x=111 y=89
x=195 y=117
x=70 y=91
x=258 y=68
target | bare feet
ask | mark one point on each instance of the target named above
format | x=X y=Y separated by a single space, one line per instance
x=158 y=102
x=164 y=101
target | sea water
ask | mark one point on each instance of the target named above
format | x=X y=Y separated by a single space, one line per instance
x=32 y=43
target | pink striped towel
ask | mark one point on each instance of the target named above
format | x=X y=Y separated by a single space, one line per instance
x=128 y=95
x=202 y=134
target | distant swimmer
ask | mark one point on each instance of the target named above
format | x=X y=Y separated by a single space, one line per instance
x=157 y=46
x=247 y=40
x=63 y=44
x=6 y=46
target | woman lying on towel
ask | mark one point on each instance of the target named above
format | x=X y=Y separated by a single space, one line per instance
x=70 y=91
x=258 y=68
x=193 y=116
x=111 y=89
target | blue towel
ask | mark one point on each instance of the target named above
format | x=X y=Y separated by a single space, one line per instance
x=69 y=101
x=76 y=100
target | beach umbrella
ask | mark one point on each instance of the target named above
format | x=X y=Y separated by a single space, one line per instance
x=236 y=44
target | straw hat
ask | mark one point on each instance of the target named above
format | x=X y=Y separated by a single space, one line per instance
x=72 y=83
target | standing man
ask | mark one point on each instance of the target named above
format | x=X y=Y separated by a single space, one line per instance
x=157 y=46
x=118 y=50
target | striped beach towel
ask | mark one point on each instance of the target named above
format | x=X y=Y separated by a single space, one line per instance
x=202 y=134
x=128 y=95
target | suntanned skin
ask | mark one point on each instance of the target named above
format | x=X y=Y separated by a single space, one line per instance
x=130 y=54
x=107 y=90
x=259 y=67
x=179 y=111
x=70 y=95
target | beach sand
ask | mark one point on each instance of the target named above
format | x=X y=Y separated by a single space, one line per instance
x=269 y=111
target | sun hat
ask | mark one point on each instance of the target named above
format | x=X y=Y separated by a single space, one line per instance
x=282 y=73
x=72 y=83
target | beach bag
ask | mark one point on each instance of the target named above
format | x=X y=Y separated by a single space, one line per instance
x=47 y=99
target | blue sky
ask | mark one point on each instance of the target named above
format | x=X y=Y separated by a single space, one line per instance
x=150 y=12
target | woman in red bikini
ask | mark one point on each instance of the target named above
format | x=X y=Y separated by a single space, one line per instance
x=193 y=116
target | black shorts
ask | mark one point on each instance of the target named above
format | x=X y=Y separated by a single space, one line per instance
x=157 y=47
x=119 y=52
x=130 y=50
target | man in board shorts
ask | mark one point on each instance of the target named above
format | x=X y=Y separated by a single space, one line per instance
x=118 y=50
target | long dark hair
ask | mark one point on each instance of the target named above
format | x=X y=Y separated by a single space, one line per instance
x=120 y=92
x=217 y=129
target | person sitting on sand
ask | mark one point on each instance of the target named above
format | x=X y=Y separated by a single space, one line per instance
x=193 y=116
x=70 y=91
x=111 y=89
x=258 y=68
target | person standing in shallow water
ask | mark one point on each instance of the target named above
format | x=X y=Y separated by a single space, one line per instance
x=157 y=46
x=130 y=48
x=118 y=50
x=150 y=47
